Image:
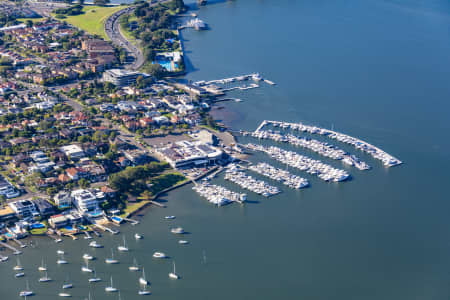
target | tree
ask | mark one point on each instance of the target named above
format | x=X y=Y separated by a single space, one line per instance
x=145 y=196
x=84 y=183
x=156 y=70
x=101 y=2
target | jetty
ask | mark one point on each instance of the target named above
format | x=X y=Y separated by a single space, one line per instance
x=15 y=251
x=387 y=159
x=322 y=148
x=21 y=245
x=303 y=163
x=132 y=221
x=283 y=176
x=218 y=195
x=235 y=174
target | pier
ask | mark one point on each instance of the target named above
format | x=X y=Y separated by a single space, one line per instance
x=387 y=159
x=133 y=222
x=15 y=251
x=21 y=245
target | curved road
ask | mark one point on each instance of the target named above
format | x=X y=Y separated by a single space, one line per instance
x=112 y=29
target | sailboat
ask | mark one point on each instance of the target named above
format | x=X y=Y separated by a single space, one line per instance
x=111 y=289
x=67 y=284
x=61 y=261
x=86 y=268
x=42 y=268
x=95 y=278
x=174 y=274
x=45 y=278
x=144 y=291
x=123 y=247
x=63 y=294
x=138 y=236
x=18 y=267
x=143 y=280
x=88 y=256
x=61 y=252
x=20 y=274
x=134 y=267
x=111 y=260
x=26 y=292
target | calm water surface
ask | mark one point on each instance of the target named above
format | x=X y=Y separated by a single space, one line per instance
x=374 y=69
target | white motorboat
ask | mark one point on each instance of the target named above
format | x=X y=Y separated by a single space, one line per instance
x=174 y=275
x=178 y=230
x=159 y=255
x=94 y=244
x=134 y=267
x=111 y=260
x=67 y=286
x=123 y=247
x=58 y=240
x=138 y=236
x=64 y=295
x=27 y=292
x=60 y=252
x=88 y=257
x=143 y=280
x=183 y=242
x=111 y=289
x=45 y=278
x=42 y=267
x=18 y=275
x=169 y=217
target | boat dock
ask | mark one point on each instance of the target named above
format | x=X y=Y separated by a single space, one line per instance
x=21 y=245
x=303 y=163
x=106 y=229
x=15 y=251
x=387 y=159
x=133 y=222
x=322 y=148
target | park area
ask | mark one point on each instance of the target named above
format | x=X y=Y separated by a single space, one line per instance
x=93 y=19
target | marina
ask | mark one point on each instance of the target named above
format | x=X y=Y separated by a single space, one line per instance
x=218 y=195
x=387 y=159
x=316 y=146
x=303 y=163
x=235 y=174
x=283 y=176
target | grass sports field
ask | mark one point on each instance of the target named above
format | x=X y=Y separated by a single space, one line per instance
x=93 y=19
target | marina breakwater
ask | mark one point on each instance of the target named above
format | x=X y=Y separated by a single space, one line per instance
x=387 y=159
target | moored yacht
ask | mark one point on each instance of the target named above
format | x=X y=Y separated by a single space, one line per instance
x=45 y=278
x=27 y=292
x=178 y=230
x=111 y=289
x=134 y=267
x=138 y=236
x=143 y=280
x=123 y=247
x=159 y=255
x=95 y=278
x=94 y=244
x=174 y=275
x=111 y=260
x=18 y=266
x=42 y=267
x=88 y=257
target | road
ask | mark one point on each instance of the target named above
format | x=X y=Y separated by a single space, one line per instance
x=112 y=29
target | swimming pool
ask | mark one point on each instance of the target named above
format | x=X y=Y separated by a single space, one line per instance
x=167 y=64
x=37 y=226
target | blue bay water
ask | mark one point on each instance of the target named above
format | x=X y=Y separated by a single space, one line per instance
x=377 y=70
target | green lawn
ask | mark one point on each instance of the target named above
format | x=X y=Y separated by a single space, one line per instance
x=93 y=19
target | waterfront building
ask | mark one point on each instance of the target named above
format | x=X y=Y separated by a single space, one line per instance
x=84 y=200
x=24 y=208
x=63 y=200
x=185 y=154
